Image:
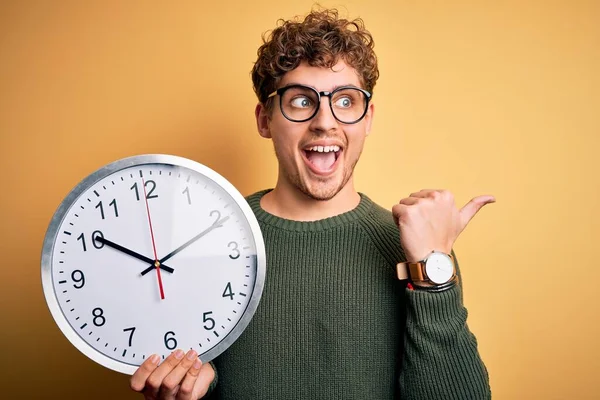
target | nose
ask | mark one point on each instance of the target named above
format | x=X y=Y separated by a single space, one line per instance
x=324 y=121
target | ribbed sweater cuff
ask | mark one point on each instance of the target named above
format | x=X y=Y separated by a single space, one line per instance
x=426 y=308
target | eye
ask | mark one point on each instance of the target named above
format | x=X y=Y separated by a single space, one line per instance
x=301 y=102
x=343 y=102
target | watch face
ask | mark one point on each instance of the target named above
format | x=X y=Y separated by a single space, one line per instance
x=150 y=254
x=439 y=268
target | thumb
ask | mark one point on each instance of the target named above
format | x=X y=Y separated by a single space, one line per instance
x=472 y=207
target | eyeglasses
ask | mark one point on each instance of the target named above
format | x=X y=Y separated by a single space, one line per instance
x=299 y=103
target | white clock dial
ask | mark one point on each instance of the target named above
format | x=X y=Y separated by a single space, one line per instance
x=439 y=268
x=150 y=254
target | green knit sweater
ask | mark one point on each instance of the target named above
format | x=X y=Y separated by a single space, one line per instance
x=335 y=323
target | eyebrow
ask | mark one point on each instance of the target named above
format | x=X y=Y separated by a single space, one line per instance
x=334 y=88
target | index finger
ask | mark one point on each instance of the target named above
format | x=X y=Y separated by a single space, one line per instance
x=138 y=379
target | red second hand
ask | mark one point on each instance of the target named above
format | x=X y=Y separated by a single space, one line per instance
x=156 y=263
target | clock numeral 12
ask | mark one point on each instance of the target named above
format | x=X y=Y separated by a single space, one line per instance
x=149 y=195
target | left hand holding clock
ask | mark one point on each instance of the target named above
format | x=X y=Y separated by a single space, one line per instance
x=429 y=220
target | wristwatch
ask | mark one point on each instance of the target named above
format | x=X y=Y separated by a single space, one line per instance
x=436 y=272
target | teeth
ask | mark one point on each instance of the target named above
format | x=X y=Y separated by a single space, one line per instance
x=325 y=149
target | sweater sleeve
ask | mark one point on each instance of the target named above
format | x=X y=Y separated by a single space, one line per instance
x=441 y=360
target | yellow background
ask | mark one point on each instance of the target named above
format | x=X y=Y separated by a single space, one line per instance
x=497 y=97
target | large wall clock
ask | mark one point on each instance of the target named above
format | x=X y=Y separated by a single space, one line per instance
x=149 y=254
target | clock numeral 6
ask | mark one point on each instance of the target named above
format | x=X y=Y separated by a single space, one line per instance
x=170 y=342
x=206 y=318
x=98 y=314
x=96 y=244
x=80 y=280
x=149 y=194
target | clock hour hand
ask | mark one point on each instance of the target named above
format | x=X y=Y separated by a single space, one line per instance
x=217 y=224
x=132 y=253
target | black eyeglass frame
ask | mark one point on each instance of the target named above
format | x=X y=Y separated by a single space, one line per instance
x=324 y=93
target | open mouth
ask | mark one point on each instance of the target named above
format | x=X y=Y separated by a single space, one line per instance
x=322 y=159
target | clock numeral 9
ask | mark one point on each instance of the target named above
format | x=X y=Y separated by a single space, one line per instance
x=98 y=314
x=80 y=280
x=132 y=329
x=112 y=203
x=149 y=194
x=170 y=342
x=208 y=319
x=96 y=244
x=235 y=252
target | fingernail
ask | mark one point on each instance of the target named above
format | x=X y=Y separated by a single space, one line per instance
x=197 y=364
x=178 y=354
x=191 y=354
x=154 y=359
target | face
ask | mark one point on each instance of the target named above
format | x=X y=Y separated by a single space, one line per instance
x=316 y=157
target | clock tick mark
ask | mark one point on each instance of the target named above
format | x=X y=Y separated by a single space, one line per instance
x=82 y=207
x=169 y=173
x=106 y=345
x=122 y=179
x=62 y=252
x=70 y=223
x=104 y=187
x=115 y=349
x=124 y=351
x=141 y=176
x=83 y=326
x=113 y=182
x=188 y=179
x=72 y=309
x=89 y=200
x=216 y=334
x=64 y=242
x=96 y=193
x=143 y=356
x=97 y=340
x=208 y=340
x=229 y=319
x=77 y=215
x=90 y=334
x=242 y=294
x=68 y=301
x=150 y=172
x=222 y=327
x=61 y=262
x=64 y=291
x=160 y=173
x=179 y=175
x=77 y=319
x=61 y=272
x=239 y=303
x=131 y=175
x=67 y=233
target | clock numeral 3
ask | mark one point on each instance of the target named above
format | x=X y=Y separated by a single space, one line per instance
x=208 y=319
x=132 y=329
x=80 y=280
x=149 y=194
x=235 y=252
x=98 y=314
x=96 y=244
x=170 y=342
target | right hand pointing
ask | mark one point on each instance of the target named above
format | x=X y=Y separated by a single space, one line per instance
x=180 y=377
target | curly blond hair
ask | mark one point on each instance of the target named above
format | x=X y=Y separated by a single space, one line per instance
x=321 y=40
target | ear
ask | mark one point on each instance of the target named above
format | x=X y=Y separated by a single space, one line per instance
x=262 y=121
x=369 y=118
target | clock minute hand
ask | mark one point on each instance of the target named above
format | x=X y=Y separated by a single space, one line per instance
x=131 y=253
x=217 y=224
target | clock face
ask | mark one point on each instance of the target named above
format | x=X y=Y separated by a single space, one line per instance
x=150 y=254
x=439 y=268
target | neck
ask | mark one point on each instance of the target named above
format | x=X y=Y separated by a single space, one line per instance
x=286 y=201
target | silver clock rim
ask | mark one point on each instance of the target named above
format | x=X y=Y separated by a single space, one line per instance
x=101 y=173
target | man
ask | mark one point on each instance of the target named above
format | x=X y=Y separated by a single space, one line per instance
x=335 y=321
